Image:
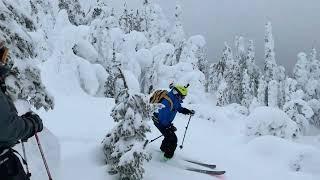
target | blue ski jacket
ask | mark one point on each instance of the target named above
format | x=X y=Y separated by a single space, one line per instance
x=166 y=115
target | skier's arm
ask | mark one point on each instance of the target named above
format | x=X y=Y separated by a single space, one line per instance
x=163 y=112
x=12 y=127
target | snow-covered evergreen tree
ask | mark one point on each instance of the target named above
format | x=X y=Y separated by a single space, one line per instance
x=100 y=9
x=149 y=78
x=313 y=84
x=247 y=92
x=270 y=121
x=154 y=23
x=250 y=57
x=299 y=111
x=116 y=81
x=240 y=55
x=130 y=20
x=314 y=64
x=296 y=108
x=194 y=52
x=273 y=93
x=163 y=54
x=215 y=75
x=289 y=89
x=16 y=28
x=177 y=34
x=232 y=75
x=300 y=71
x=201 y=55
x=270 y=61
x=123 y=146
x=43 y=14
x=281 y=79
x=315 y=105
x=75 y=13
x=262 y=90
x=222 y=94
x=253 y=69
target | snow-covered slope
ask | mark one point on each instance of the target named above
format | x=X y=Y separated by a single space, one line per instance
x=81 y=119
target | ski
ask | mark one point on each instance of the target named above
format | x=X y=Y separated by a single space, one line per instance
x=211 y=166
x=208 y=172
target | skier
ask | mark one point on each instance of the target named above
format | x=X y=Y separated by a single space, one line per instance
x=163 y=119
x=13 y=128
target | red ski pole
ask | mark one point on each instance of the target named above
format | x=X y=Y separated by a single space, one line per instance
x=43 y=158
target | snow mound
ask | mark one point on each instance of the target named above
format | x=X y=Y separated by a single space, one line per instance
x=270 y=121
x=287 y=155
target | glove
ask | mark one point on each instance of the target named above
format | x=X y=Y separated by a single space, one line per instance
x=192 y=112
x=187 y=111
x=172 y=128
x=36 y=122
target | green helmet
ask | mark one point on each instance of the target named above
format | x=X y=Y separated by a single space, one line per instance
x=182 y=90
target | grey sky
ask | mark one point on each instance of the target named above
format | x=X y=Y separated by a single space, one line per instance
x=296 y=24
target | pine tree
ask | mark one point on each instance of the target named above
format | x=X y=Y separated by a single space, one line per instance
x=43 y=14
x=247 y=94
x=99 y=11
x=281 y=79
x=26 y=82
x=273 y=93
x=290 y=88
x=101 y=37
x=314 y=65
x=154 y=23
x=201 y=56
x=295 y=107
x=232 y=75
x=240 y=53
x=215 y=75
x=270 y=61
x=125 y=20
x=262 y=89
x=177 y=34
x=137 y=22
x=300 y=71
x=123 y=146
x=116 y=81
x=253 y=69
x=75 y=13
x=149 y=78
x=299 y=111
x=222 y=94
x=315 y=105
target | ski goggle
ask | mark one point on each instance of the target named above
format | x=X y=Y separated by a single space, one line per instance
x=175 y=92
x=182 y=97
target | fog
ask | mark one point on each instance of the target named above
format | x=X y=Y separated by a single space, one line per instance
x=296 y=24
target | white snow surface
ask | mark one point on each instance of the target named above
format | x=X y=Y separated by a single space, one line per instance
x=215 y=135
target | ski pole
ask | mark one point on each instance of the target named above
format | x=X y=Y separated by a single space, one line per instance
x=181 y=146
x=43 y=158
x=155 y=138
x=148 y=142
x=26 y=160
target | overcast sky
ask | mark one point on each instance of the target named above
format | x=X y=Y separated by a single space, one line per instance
x=296 y=24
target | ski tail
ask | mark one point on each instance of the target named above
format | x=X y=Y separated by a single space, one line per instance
x=208 y=172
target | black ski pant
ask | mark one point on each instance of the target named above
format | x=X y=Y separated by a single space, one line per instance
x=169 y=143
x=11 y=167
